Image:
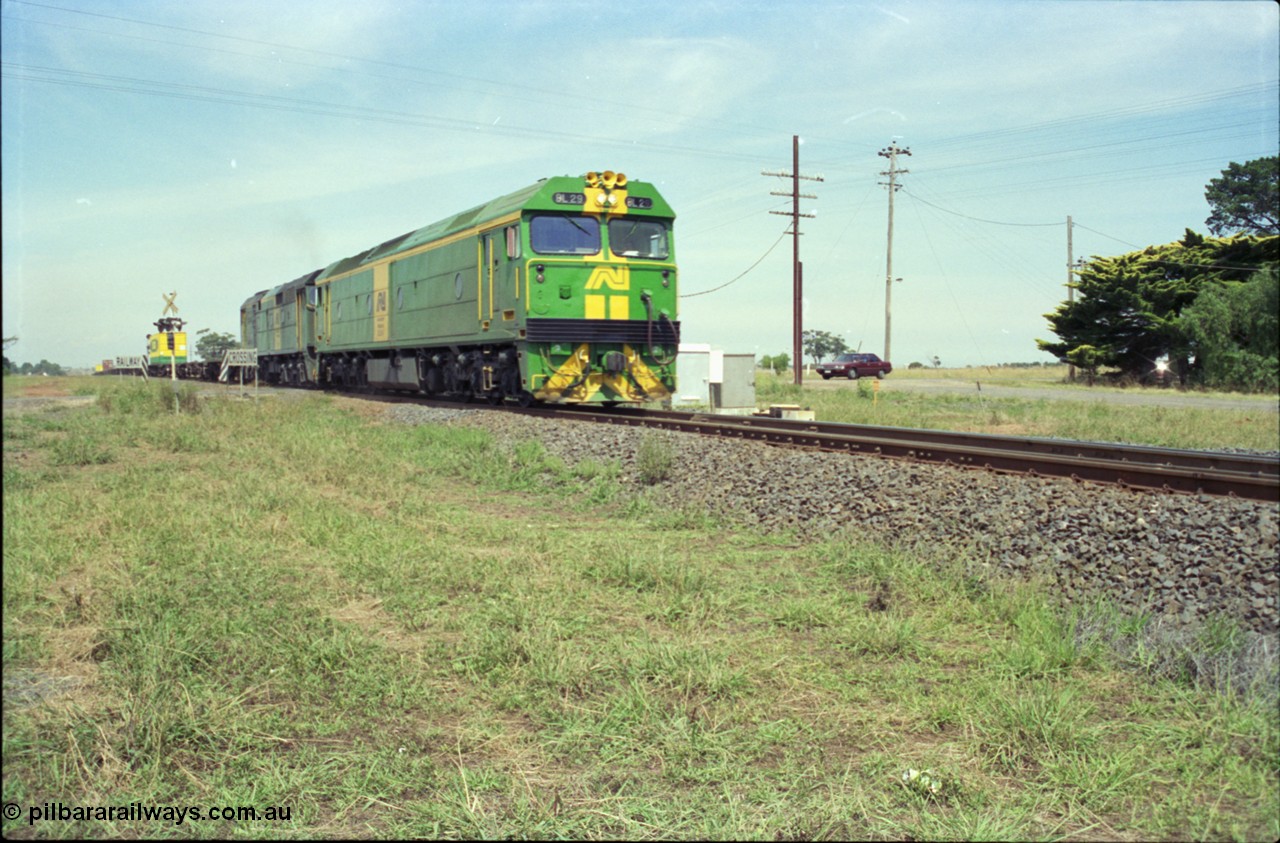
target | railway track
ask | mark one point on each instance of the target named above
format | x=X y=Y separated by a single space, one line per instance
x=1139 y=467
x=1246 y=476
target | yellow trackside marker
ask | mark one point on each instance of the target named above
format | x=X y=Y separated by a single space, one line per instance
x=593 y=307
x=619 y=307
x=613 y=277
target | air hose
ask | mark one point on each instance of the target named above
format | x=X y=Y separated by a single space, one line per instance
x=675 y=335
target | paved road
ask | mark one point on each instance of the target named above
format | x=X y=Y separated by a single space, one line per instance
x=1165 y=397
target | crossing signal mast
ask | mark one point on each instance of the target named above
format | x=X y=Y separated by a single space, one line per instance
x=797 y=269
x=892 y=151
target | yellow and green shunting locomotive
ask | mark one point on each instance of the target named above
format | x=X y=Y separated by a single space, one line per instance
x=167 y=348
x=563 y=291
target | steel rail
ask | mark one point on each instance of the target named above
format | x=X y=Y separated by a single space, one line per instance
x=1139 y=467
x=1248 y=476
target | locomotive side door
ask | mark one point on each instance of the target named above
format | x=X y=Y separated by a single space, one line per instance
x=501 y=248
x=307 y=325
x=486 y=307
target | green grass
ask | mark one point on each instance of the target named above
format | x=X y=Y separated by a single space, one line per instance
x=412 y=632
x=1253 y=423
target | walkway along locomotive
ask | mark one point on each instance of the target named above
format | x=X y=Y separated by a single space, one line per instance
x=563 y=291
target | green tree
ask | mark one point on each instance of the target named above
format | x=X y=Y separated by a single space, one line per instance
x=821 y=344
x=1128 y=308
x=778 y=362
x=1246 y=198
x=1233 y=329
x=212 y=346
x=8 y=364
x=1087 y=358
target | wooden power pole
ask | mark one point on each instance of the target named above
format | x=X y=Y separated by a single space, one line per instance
x=797 y=273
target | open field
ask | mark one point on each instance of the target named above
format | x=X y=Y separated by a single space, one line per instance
x=409 y=632
x=1035 y=402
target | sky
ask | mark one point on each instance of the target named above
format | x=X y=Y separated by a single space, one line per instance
x=219 y=149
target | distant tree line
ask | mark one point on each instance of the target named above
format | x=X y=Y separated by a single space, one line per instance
x=44 y=367
x=1205 y=307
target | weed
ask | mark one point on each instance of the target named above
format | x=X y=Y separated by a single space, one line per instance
x=654 y=458
x=79 y=451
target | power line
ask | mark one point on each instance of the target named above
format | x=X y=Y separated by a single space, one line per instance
x=270 y=102
x=946 y=280
x=918 y=198
x=1078 y=224
x=500 y=88
x=740 y=275
x=1001 y=135
x=1126 y=174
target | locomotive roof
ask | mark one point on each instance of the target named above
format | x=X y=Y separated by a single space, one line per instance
x=538 y=196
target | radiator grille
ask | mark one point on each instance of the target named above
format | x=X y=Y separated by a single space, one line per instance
x=600 y=330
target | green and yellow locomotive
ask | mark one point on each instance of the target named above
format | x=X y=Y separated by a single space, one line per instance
x=564 y=291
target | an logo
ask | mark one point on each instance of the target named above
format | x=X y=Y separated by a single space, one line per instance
x=613 y=277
